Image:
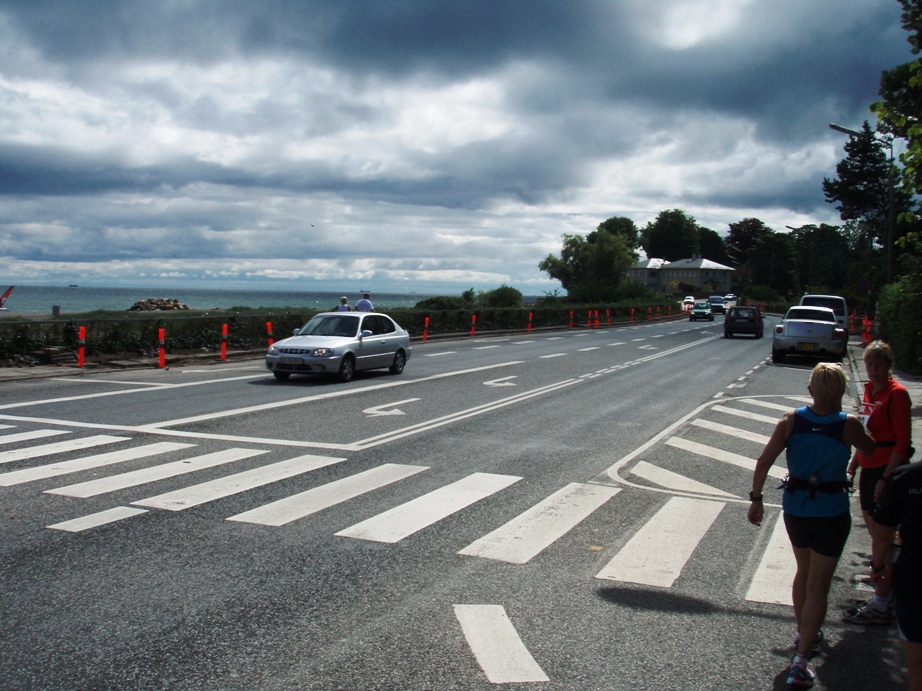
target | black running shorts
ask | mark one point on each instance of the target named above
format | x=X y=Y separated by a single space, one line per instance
x=867 y=481
x=824 y=535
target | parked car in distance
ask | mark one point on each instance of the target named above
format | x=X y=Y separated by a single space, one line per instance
x=809 y=331
x=701 y=310
x=834 y=302
x=730 y=297
x=341 y=343
x=718 y=304
x=743 y=320
x=689 y=300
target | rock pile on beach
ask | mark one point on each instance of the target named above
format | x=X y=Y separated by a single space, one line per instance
x=158 y=305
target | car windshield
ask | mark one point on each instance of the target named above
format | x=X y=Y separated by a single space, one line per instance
x=806 y=314
x=715 y=299
x=702 y=305
x=331 y=325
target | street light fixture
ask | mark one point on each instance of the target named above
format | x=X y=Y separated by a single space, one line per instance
x=890 y=196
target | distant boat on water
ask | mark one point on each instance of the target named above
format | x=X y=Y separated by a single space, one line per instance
x=4 y=297
x=73 y=285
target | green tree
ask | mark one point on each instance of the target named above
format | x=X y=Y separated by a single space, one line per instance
x=591 y=270
x=618 y=225
x=773 y=260
x=743 y=236
x=712 y=246
x=504 y=296
x=823 y=255
x=673 y=235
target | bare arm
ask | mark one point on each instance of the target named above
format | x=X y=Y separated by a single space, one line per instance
x=854 y=434
x=772 y=450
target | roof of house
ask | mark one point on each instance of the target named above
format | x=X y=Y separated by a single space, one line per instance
x=692 y=263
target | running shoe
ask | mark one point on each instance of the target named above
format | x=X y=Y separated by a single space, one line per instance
x=800 y=677
x=866 y=614
x=815 y=648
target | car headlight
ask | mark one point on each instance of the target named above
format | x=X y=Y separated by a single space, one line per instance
x=322 y=352
x=273 y=350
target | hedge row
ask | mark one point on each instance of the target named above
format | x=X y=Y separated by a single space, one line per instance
x=194 y=333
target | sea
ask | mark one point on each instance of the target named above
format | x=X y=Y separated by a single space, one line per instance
x=78 y=299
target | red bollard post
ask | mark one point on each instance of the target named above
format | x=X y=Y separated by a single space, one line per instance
x=530 y=315
x=632 y=315
x=473 y=323
x=657 y=313
x=224 y=342
x=669 y=314
x=81 y=343
x=589 y=320
x=649 y=314
x=571 y=319
x=269 y=329
x=426 y=329
x=608 y=316
x=597 y=319
x=161 y=334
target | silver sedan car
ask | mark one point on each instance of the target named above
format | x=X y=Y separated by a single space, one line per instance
x=341 y=343
x=809 y=331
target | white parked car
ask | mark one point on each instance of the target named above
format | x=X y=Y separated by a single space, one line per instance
x=811 y=331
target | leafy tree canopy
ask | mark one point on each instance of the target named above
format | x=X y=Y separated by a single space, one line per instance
x=712 y=246
x=618 y=225
x=673 y=235
x=504 y=296
x=743 y=236
x=591 y=270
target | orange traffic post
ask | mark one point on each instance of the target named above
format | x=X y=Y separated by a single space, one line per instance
x=161 y=334
x=669 y=315
x=426 y=329
x=571 y=319
x=269 y=329
x=473 y=323
x=649 y=314
x=632 y=315
x=530 y=315
x=81 y=346
x=608 y=316
x=224 y=342
x=657 y=313
x=597 y=319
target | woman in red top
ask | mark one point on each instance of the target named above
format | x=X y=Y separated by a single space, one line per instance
x=886 y=410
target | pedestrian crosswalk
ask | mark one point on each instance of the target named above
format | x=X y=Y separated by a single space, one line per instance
x=680 y=467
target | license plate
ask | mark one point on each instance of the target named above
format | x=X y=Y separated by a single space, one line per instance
x=290 y=360
x=806 y=346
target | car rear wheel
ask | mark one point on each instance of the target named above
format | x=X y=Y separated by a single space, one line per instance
x=281 y=376
x=347 y=368
x=400 y=361
x=776 y=356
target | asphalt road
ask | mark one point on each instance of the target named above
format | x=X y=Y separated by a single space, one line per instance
x=554 y=511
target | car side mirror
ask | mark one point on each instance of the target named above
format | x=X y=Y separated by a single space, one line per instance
x=295 y=332
x=366 y=333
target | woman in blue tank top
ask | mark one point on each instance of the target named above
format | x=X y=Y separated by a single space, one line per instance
x=818 y=439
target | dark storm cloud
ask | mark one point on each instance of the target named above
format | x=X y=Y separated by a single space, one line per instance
x=211 y=128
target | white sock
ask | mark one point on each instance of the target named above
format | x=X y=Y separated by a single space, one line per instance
x=881 y=604
x=800 y=660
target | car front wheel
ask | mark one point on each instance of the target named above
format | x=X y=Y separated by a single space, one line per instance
x=400 y=361
x=281 y=376
x=347 y=368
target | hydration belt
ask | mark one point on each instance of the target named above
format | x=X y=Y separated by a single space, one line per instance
x=814 y=487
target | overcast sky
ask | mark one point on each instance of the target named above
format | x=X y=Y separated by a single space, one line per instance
x=409 y=145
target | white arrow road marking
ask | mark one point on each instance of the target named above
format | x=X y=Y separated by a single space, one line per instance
x=504 y=381
x=379 y=410
x=497 y=646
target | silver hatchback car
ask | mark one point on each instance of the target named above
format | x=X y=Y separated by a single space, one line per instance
x=341 y=343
